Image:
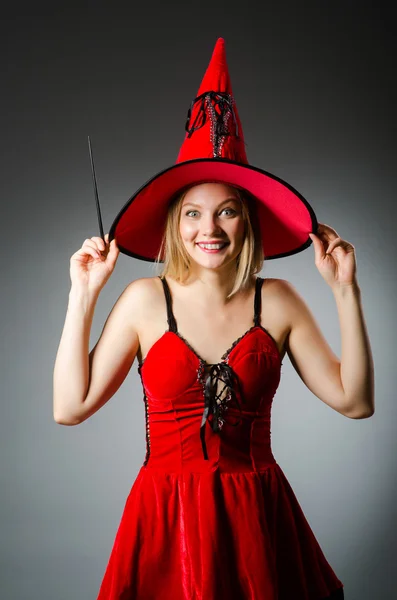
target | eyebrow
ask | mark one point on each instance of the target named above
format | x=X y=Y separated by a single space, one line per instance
x=232 y=198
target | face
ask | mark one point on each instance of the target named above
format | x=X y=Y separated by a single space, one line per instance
x=211 y=212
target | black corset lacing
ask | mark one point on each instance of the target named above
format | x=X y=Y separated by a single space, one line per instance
x=219 y=106
x=214 y=404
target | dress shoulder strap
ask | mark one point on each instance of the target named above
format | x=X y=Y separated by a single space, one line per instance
x=257 y=301
x=172 y=326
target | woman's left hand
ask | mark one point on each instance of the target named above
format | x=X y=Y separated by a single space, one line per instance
x=334 y=258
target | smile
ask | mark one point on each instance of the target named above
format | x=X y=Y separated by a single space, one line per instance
x=212 y=248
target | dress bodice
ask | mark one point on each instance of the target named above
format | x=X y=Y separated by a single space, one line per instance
x=202 y=416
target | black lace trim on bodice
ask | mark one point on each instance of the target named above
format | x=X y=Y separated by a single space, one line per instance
x=211 y=374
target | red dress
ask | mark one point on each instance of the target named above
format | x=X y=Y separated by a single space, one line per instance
x=211 y=515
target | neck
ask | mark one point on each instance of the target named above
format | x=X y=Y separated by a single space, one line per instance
x=212 y=285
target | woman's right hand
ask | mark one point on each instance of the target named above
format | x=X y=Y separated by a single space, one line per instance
x=93 y=264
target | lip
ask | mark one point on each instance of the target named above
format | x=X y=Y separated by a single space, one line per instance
x=214 y=250
x=212 y=242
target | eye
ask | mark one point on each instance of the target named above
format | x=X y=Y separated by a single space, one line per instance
x=231 y=210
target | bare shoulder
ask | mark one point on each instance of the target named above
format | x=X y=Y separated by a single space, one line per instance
x=287 y=296
x=271 y=285
x=142 y=288
x=280 y=296
x=140 y=296
x=288 y=308
x=284 y=289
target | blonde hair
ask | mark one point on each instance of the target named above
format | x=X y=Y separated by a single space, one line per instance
x=176 y=261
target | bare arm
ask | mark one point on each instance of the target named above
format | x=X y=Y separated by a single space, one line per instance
x=346 y=385
x=357 y=366
x=71 y=370
x=83 y=381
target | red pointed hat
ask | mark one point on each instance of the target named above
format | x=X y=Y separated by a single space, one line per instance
x=214 y=151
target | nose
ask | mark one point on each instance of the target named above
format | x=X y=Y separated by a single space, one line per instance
x=210 y=225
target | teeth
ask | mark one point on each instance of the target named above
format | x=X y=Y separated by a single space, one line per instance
x=212 y=246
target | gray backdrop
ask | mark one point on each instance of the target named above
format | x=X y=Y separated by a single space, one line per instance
x=314 y=85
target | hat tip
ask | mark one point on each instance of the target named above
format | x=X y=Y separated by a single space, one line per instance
x=219 y=49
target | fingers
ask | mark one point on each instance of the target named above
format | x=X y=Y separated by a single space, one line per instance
x=97 y=248
x=99 y=242
x=318 y=245
x=96 y=243
x=113 y=247
x=326 y=231
x=107 y=239
x=88 y=250
x=108 y=244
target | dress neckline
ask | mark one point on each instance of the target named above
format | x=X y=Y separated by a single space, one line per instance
x=226 y=354
x=173 y=328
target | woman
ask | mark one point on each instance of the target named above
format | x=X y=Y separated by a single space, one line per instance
x=211 y=514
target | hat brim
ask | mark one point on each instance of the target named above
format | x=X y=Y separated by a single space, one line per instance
x=285 y=216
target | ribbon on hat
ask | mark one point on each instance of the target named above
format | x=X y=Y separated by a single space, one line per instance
x=214 y=404
x=219 y=106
